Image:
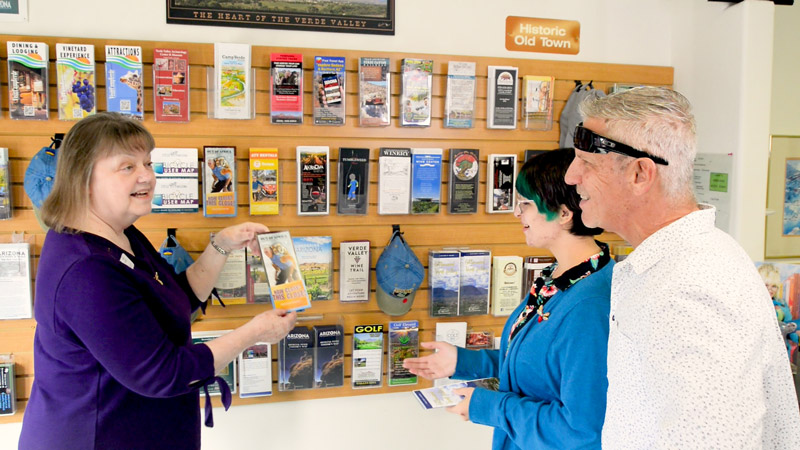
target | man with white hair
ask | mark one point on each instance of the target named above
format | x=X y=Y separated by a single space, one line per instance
x=695 y=357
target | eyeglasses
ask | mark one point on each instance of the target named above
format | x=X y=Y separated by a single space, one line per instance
x=521 y=203
x=588 y=141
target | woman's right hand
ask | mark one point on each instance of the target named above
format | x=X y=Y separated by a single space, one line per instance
x=440 y=364
x=273 y=325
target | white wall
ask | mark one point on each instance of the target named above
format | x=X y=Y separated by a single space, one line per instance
x=785 y=118
x=715 y=52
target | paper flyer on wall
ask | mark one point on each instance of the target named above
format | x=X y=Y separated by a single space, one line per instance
x=500 y=171
x=264 y=177
x=367 y=356
x=228 y=373
x=257 y=282
x=441 y=396
x=415 y=100
x=286 y=97
x=15 y=281
x=219 y=181
x=501 y=98
x=459 y=104
x=403 y=342
x=476 y=273
x=177 y=177
x=463 y=181
x=313 y=184
x=255 y=371
x=232 y=81
x=315 y=258
x=125 y=80
x=76 y=81
x=374 y=92
x=537 y=102
x=28 y=92
x=6 y=200
x=394 y=181
x=329 y=356
x=328 y=90
x=506 y=284
x=170 y=85
x=354 y=265
x=353 y=183
x=444 y=281
x=426 y=180
x=283 y=271
x=231 y=284
x=296 y=360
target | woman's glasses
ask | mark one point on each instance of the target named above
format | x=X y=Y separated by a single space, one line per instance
x=588 y=141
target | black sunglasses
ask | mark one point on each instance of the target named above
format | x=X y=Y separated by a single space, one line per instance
x=588 y=141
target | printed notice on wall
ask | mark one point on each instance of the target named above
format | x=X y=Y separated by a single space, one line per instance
x=713 y=183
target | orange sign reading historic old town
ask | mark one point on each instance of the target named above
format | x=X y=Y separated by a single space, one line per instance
x=529 y=34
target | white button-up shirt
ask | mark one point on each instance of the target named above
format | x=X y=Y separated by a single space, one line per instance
x=695 y=356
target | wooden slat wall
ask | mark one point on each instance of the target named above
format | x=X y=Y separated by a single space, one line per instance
x=498 y=232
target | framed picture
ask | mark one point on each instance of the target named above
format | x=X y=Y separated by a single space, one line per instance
x=783 y=198
x=341 y=16
x=15 y=11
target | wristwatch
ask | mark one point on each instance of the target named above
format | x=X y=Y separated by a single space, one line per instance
x=221 y=250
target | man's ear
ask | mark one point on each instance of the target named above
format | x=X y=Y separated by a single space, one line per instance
x=644 y=174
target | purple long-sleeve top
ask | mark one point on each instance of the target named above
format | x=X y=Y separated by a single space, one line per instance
x=114 y=362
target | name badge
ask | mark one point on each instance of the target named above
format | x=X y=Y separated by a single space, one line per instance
x=125 y=260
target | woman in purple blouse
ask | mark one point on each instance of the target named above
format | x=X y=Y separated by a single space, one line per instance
x=114 y=361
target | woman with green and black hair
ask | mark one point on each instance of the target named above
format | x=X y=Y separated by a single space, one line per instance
x=552 y=358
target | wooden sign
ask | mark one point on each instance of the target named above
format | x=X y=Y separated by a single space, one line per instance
x=529 y=34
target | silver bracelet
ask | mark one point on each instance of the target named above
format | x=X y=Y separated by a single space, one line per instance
x=221 y=250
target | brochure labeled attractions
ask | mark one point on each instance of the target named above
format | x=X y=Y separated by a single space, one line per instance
x=228 y=373
x=296 y=360
x=76 y=80
x=312 y=180
x=219 y=182
x=394 y=181
x=501 y=98
x=286 y=98
x=6 y=205
x=367 y=356
x=315 y=257
x=264 y=181
x=257 y=282
x=415 y=101
x=28 y=80
x=444 y=281
x=506 y=284
x=329 y=357
x=374 y=92
x=232 y=82
x=15 y=281
x=476 y=270
x=177 y=177
x=537 y=102
x=283 y=271
x=328 y=90
x=463 y=181
x=441 y=396
x=403 y=343
x=255 y=371
x=125 y=80
x=353 y=185
x=354 y=262
x=459 y=103
x=426 y=180
x=170 y=85
x=500 y=196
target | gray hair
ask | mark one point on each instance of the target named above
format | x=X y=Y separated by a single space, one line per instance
x=656 y=120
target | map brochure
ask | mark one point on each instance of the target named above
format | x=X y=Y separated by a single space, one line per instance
x=441 y=396
x=232 y=83
x=177 y=177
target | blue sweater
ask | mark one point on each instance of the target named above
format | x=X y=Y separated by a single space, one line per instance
x=553 y=377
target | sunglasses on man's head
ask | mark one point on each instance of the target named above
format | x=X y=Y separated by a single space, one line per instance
x=588 y=141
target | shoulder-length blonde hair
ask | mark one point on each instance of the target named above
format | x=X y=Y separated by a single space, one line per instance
x=88 y=141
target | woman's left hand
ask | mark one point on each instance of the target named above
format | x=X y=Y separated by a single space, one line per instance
x=240 y=236
x=462 y=409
